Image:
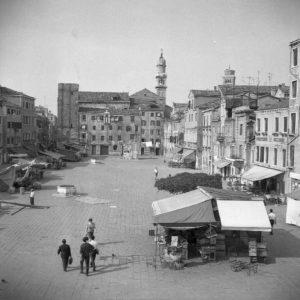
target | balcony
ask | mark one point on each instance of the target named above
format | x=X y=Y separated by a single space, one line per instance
x=220 y=137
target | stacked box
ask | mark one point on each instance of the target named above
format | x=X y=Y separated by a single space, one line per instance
x=220 y=246
x=262 y=250
x=252 y=248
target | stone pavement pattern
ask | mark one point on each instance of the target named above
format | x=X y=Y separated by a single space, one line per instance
x=31 y=269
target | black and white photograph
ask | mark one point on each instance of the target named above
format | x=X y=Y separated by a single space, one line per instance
x=148 y=149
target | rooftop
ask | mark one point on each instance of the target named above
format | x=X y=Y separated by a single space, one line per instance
x=9 y=92
x=103 y=97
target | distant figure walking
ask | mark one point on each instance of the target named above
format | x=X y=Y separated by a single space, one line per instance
x=31 y=197
x=272 y=218
x=90 y=228
x=85 y=251
x=155 y=172
x=94 y=253
x=65 y=252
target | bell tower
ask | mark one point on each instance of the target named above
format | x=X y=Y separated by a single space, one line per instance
x=161 y=77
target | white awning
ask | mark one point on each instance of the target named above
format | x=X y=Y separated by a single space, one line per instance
x=295 y=175
x=189 y=153
x=257 y=173
x=243 y=215
x=222 y=163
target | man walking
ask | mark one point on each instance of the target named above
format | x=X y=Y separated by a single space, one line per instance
x=85 y=251
x=31 y=197
x=65 y=252
x=94 y=253
x=272 y=218
x=90 y=228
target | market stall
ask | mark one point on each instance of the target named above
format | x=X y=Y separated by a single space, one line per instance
x=210 y=223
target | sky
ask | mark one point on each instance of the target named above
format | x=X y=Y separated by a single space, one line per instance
x=114 y=45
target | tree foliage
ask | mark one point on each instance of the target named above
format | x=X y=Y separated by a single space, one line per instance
x=186 y=182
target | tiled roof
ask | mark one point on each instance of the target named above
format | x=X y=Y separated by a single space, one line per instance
x=9 y=92
x=241 y=89
x=145 y=93
x=284 y=103
x=205 y=93
x=102 y=97
x=180 y=104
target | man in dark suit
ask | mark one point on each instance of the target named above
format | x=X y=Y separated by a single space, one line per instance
x=65 y=252
x=86 y=250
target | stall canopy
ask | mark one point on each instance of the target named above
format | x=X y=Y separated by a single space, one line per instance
x=257 y=173
x=243 y=215
x=51 y=154
x=192 y=209
x=293 y=209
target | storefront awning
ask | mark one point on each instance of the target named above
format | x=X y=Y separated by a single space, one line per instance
x=188 y=154
x=191 y=209
x=222 y=163
x=295 y=175
x=243 y=215
x=177 y=150
x=51 y=154
x=257 y=173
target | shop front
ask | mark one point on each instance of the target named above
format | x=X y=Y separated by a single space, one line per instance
x=265 y=180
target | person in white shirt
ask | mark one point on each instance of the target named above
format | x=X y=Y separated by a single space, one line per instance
x=31 y=197
x=272 y=218
x=155 y=172
x=90 y=228
x=94 y=253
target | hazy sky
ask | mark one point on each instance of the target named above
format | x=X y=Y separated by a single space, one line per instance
x=114 y=45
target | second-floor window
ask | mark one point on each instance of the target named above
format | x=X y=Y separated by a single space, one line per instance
x=102 y=127
x=283 y=157
x=275 y=156
x=295 y=57
x=285 y=124
x=83 y=118
x=293 y=122
x=128 y=128
x=93 y=138
x=94 y=127
x=267 y=155
x=102 y=138
x=132 y=118
x=119 y=137
x=266 y=124
x=276 y=124
x=144 y=123
x=258 y=125
x=294 y=89
x=292 y=155
x=241 y=129
x=262 y=152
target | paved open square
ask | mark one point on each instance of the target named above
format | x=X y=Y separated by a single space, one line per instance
x=118 y=194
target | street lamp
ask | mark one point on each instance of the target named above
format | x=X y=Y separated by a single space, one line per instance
x=107 y=123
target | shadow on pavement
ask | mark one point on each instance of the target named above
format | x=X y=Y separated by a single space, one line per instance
x=282 y=244
x=6 y=210
x=104 y=269
x=108 y=243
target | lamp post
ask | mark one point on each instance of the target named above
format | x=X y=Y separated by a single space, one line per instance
x=107 y=123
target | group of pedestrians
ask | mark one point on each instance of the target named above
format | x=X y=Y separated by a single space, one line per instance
x=88 y=250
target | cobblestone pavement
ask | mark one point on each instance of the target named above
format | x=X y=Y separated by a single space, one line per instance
x=124 y=190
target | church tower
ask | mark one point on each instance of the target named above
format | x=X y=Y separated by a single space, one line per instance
x=161 y=78
x=229 y=77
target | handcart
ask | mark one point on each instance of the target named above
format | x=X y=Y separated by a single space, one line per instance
x=238 y=265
